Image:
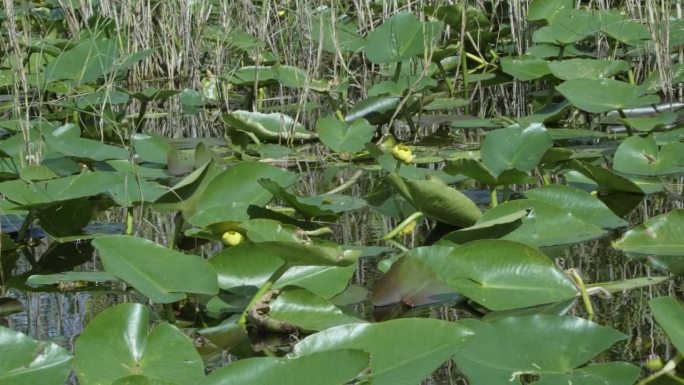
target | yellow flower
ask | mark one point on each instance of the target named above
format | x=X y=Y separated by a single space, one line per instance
x=402 y=153
x=232 y=238
x=653 y=363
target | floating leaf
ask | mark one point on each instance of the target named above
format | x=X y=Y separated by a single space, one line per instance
x=89 y=60
x=26 y=361
x=334 y=367
x=274 y=126
x=342 y=136
x=621 y=28
x=587 y=68
x=567 y=26
x=641 y=156
x=547 y=346
x=164 y=275
x=579 y=203
x=525 y=68
x=70 y=276
x=336 y=34
x=401 y=37
x=424 y=345
x=546 y=225
x=602 y=95
x=496 y=227
x=660 y=238
x=498 y=274
x=306 y=311
x=412 y=282
x=240 y=183
x=515 y=148
x=437 y=200
x=118 y=344
x=669 y=314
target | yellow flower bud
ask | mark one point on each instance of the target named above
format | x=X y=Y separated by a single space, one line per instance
x=402 y=153
x=232 y=238
x=653 y=362
x=406 y=231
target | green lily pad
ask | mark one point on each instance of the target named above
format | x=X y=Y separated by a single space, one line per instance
x=477 y=170
x=118 y=344
x=547 y=9
x=70 y=276
x=515 y=148
x=649 y=123
x=412 y=282
x=548 y=346
x=164 y=275
x=587 y=68
x=342 y=136
x=151 y=148
x=567 y=27
x=525 y=68
x=296 y=253
x=622 y=28
x=437 y=200
x=26 y=361
x=494 y=228
x=240 y=183
x=547 y=225
x=185 y=194
x=401 y=37
x=306 y=311
x=518 y=277
x=88 y=60
x=669 y=314
x=318 y=206
x=580 y=203
x=424 y=345
x=660 y=238
x=641 y=156
x=86 y=149
x=334 y=367
x=337 y=35
x=273 y=127
x=602 y=95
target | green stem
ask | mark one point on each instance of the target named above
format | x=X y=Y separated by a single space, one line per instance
x=141 y=116
x=402 y=225
x=624 y=116
x=169 y=313
x=397 y=72
x=464 y=74
x=177 y=227
x=260 y=293
x=583 y=291
x=494 y=198
x=397 y=245
x=505 y=194
x=396 y=169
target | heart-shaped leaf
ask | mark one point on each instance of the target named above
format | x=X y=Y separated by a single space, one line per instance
x=515 y=148
x=118 y=344
x=498 y=274
x=401 y=37
x=25 y=361
x=548 y=346
x=334 y=367
x=525 y=67
x=424 y=345
x=587 y=68
x=343 y=136
x=162 y=274
x=274 y=126
x=641 y=156
x=602 y=95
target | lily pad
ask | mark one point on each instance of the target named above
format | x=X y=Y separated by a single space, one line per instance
x=580 y=203
x=342 y=136
x=641 y=156
x=424 y=345
x=118 y=344
x=515 y=148
x=525 y=68
x=334 y=367
x=669 y=314
x=273 y=126
x=660 y=239
x=240 y=183
x=587 y=68
x=400 y=37
x=26 y=361
x=164 y=275
x=499 y=274
x=547 y=225
x=548 y=346
x=603 y=95
x=306 y=311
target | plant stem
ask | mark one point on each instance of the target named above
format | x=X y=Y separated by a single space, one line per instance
x=669 y=367
x=624 y=116
x=402 y=225
x=494 y=198
x=505 y=193
x=583 y=291
x=141 y=116
x=260 y=293
x=129 y=221
x=397 y=72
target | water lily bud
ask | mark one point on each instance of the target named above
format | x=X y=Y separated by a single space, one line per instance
x=653 y=362
x=402 y=153
x=232 y=238
x=406 y=231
